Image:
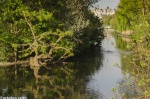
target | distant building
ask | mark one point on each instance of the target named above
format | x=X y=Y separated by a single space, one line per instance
x=102 y=12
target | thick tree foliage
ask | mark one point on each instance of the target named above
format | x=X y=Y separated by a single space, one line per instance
x=135 y=15
x=46 y=31
x=127 y=13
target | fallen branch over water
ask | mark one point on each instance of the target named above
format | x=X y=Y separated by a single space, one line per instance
x=5 y=64
x=124 y=35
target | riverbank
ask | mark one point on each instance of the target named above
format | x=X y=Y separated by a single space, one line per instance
x=125 y=35
x=127 y=32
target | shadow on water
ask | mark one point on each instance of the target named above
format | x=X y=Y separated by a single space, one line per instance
x=88 y=63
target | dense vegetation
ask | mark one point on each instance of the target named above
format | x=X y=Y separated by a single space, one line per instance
x=107 y=18
x=135 y=15
x=46 y=31
x=130 y=13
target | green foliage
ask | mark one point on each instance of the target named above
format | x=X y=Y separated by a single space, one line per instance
x=107 y=19
x=141 y=56
x=127 y=14
x=91 y=35
x=135 y=15
x=52 y=29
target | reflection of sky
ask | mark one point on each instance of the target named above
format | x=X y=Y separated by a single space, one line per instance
x=108 y=77
x=110 y=3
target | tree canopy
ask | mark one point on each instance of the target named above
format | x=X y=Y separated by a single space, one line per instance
x=129 y=13
x=46 y=30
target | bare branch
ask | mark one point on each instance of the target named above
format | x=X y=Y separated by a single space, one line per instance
x=45 y=34
x=29 y=24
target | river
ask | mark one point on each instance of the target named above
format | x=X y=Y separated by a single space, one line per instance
x=91 y=75
x=103 y=80
x=107 y=61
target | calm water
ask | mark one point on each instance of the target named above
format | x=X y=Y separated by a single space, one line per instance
x=103 y=80
x=89 y=76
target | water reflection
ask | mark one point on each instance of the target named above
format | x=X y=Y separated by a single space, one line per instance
x=127 y=87
x=103 y=80
x=63 y=82
x=55 y=82
x=121 y=42
x=87 y=65
x=33 y=84
x=89 y=76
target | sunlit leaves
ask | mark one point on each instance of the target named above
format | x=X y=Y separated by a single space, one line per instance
x=127 y=14
x=44 y=15
x=52 y=28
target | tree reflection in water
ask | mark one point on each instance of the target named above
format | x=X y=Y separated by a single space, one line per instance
x=42 y=83
x=55 y=82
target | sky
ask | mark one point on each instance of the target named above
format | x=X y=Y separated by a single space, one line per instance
x=110 y=3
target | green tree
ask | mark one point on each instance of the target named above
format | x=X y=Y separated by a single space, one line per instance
x=30 y=32
x=135 y=15
x=127 y=14
x=45 y=31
